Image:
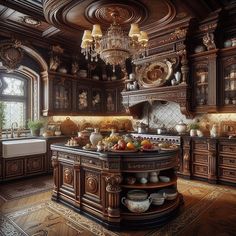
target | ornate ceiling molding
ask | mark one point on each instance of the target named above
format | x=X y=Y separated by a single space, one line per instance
x=128 y=12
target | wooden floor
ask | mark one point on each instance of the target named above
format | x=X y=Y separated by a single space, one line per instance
x=208 y=210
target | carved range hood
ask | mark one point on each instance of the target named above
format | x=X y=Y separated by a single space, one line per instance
x=135 y=100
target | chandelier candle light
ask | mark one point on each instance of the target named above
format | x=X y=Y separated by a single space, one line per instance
x=115 y=46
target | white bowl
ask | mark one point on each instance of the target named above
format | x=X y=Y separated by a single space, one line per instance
x=137 y=195
x=170 y=193
x=157 y=198
x=163 y=178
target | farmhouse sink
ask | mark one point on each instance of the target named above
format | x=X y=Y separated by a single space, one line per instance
x=25 y=147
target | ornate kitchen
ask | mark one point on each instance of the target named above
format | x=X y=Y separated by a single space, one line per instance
x=117 y=117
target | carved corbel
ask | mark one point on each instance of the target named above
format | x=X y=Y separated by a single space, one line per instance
x=208 y=41
x=11 y=55
x=55 y=55
x=184 y=64
x=113 y=189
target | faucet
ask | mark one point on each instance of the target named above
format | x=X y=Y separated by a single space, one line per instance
x=12 y=128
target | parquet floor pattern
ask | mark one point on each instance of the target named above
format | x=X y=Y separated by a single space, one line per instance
x=208 y=210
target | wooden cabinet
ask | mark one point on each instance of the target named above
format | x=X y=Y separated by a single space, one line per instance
x=95 y=182
x=51 y=140
x=14 y=168
x=204 y=81
x=200 y=158
x=24 y=166
x=227 y=161
x=62 y=94
x=209 y=158
x=110 y=101
x=68 y=95
x=228 y=79
x=35 y=164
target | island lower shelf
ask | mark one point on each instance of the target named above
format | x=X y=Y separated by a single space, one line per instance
x=93 y=183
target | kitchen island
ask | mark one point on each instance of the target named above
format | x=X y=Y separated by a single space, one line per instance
x=94 y=184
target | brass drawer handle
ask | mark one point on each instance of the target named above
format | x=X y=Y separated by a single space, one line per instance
x=232 y=161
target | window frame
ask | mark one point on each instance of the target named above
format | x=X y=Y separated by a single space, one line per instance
x=16 y=98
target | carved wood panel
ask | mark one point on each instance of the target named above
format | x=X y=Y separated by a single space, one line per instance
x=68 y=176
x=92 y=180
x=200 y=170
x=35 y=164
x=227 y=174
x=227 y=161
x=14 y=168
x=202 y=158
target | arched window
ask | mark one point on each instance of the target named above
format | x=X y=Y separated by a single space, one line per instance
x=14 y=96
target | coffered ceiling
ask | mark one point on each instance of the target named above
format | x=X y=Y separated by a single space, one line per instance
x=63 y=21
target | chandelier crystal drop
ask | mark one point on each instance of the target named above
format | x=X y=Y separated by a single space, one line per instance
x=115 y=46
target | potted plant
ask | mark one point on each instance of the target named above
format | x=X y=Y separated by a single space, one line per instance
x=35 y=126
x=2 y=117
x=193 y=127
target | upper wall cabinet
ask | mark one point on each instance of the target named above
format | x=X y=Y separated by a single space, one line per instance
x=203 y=81
x=68 y=95
x=228 y=81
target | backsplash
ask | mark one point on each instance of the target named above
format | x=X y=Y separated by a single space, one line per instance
x=157 y=114
x=168 y=113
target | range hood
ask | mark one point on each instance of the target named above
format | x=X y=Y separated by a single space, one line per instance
x=135 y=100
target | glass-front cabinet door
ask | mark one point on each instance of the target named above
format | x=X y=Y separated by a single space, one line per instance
x=201 y=84
x=204 y=81
x=62 y=90
x=229 y=83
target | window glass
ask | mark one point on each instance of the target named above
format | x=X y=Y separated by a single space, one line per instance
x=13 y=86
x=14 y=98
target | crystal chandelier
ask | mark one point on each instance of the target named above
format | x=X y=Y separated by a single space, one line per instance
x=115 y=46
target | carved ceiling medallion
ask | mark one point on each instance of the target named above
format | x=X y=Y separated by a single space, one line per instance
x=101 y=13
x=31 y=21
x=11 y=56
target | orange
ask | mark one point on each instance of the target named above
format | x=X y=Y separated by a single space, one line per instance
x=130 y=145
x=144 y=142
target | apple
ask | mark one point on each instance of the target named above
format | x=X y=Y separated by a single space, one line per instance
x=122 y=144
x=147 y=146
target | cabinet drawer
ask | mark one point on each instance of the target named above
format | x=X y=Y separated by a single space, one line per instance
x=227 y=148
x=201 y=158
x=200 y=170
x=91 y=162
x=67 y=156
x=227 y=161
x=227 y=174
x=200 y=145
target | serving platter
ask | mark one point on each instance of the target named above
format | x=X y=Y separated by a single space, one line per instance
x=72 y=145
x=124 y=151
x=155 y=149
x=169 y=148
x=89 y=149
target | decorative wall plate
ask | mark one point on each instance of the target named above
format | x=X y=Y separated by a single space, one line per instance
x=156 y=74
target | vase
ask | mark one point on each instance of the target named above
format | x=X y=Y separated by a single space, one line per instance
x=193 y=132
x=95 y=137
x=214 y=132
x=35 y=132
x=181 y=127
x=178 y=76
